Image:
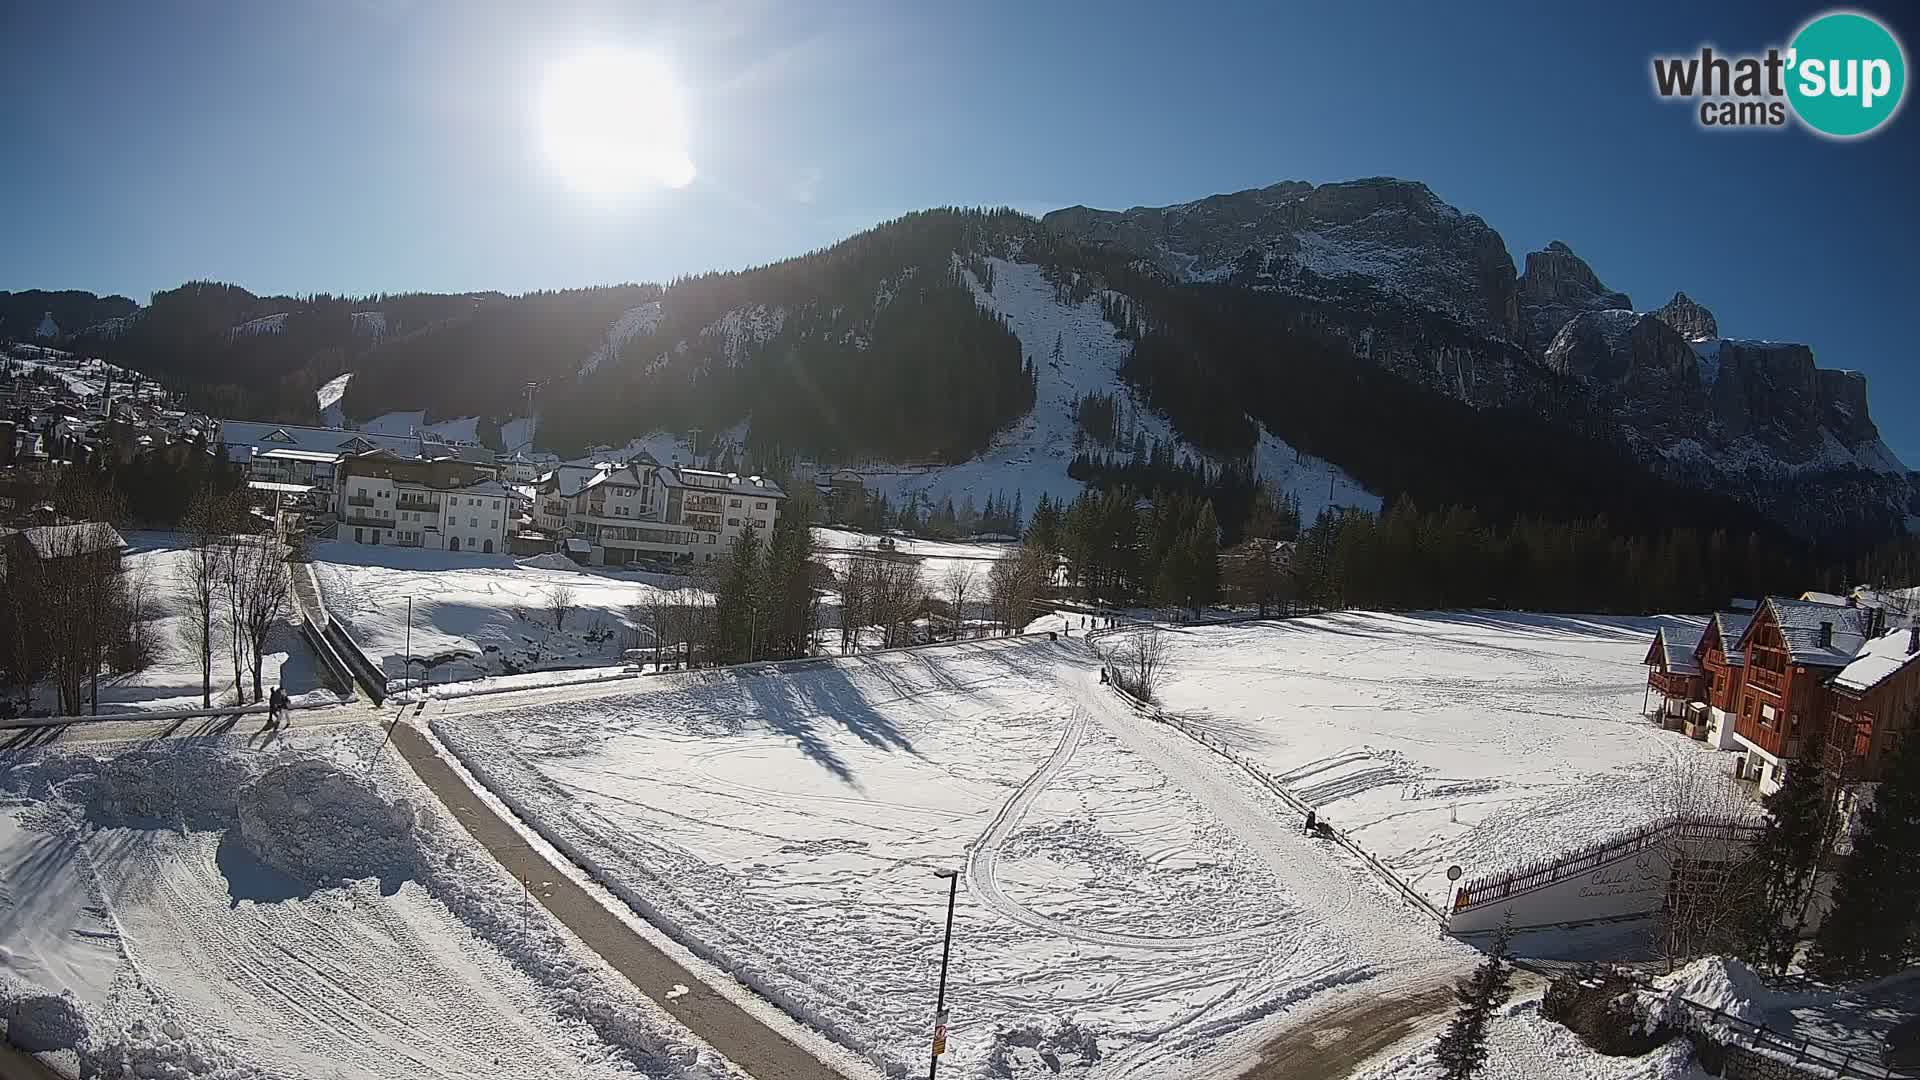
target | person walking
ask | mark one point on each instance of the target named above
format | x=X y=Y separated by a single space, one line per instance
x=277 y=704
x=1311 y=819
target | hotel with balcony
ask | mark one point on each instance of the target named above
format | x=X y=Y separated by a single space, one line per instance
x=643 y=511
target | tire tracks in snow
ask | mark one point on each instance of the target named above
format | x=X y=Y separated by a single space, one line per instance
x=983 y=864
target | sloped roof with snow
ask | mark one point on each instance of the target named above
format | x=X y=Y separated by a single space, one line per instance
x=1800 y=621
x=1878 y=661
x=1674 y=646
x=1729 y=627
x=61 y=541
x=243 y=437
x=571 y=480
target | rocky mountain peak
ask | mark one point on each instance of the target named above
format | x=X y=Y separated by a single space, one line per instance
x=1348 y=241
x=1694 y=322
x=1557 y=286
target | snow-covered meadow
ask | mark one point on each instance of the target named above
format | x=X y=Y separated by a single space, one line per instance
x=1479 y=738
x=1125 y=904
x=250 y=906
x=489 y=611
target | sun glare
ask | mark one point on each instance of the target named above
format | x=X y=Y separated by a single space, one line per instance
x=615 y=122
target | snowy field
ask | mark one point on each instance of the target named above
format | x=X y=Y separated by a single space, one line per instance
x=153 y=561
x=1125 y=903
x=245 y=909
x=488 y=610
x=1523 y=1045
x=938 y=559
x=1478 y=738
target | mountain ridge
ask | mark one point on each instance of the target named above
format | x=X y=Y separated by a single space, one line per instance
x=812 y=349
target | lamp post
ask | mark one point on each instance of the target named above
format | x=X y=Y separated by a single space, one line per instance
x=946 y=952
x=409 y=635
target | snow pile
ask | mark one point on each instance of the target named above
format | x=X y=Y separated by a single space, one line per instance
x=552 y=560
x=1037 y=1050
x=1718 y=982
x=40 y=1022
x=314 y=822
x=208 y=952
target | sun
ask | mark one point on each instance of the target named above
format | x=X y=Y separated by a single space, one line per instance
x=614 y=122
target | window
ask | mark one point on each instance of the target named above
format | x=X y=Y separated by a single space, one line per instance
x=733 y=521
x=451 y=523
x=733 y=502
x=761 y=505
x=360 y=493
x=473 y=523
x=494 y=524
x=496 y=504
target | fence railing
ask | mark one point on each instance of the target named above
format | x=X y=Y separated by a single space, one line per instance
x=1266 y=779
x=1541 y=873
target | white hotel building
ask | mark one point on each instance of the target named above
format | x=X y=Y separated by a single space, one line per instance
x=646 y=511
x=440 y=503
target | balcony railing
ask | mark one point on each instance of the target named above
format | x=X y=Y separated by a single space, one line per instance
x=1673 y=684
x=1766 y=679
x=367 y=519
x=359 y=500
x=417 y=504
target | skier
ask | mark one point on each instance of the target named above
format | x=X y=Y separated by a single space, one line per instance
x=1103 y=675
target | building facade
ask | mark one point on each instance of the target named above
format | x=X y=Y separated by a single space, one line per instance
x=1876 y=705
x=440 y=503
x=643 y=511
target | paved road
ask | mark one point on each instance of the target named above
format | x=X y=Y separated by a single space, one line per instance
x=727 y=1027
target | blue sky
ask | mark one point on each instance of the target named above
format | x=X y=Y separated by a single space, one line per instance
x=388 y=145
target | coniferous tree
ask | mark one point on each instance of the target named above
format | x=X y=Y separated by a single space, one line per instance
x=1798 y=829
x=1463 y=1046
x=738 y=616
x=1876 y=903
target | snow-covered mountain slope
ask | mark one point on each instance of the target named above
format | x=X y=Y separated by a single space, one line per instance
x=632 y=323
x=1032 y=456
x=328 y=398
x=265 y=324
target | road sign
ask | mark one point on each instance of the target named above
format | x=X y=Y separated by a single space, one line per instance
x=1453 y=872
x=940 y=1033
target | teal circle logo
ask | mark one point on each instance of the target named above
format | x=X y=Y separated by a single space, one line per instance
x=1846 y=74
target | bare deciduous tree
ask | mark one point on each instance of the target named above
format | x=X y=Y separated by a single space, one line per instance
x=265 y=596
x=899 y=597
x=560 y=603
x=959 y=584
x=1015 y=583
x=1713 y=876
x=854 y=583
x=198 y=577
x=1140 y=662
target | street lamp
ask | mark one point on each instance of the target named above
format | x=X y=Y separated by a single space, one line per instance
x=940 y=1006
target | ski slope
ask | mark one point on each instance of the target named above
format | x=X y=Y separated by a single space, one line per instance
x=248 y=908
x=1125 y=903
x=1032 y=456
x=1478 y=738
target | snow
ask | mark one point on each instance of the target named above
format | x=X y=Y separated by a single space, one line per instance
x=1117 y=885
x=517 y=434
x=371 y=324
x=328 y=399
x=938 y=558
x=1031 y=457
x=1720 y=982
x=84 y=376
x=1853 y=1019
x=464 y=429
x=1878 y=659
x=250 y=911
x=740 y=330
x=632 y=323
x=265 y=324
x=1523 y=1045
x=472 y=614
x=172 y=681
x=1479 y=738
x=404 y=422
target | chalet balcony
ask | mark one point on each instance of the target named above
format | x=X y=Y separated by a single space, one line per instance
x=1765 y=679
x=707 y=503
x=1674 y=685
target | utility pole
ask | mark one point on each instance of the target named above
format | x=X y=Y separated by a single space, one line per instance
x=946 y=952
x=531 y=387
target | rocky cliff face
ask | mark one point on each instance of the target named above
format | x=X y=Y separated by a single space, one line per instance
x=1427 y=291
x=1753 y=418
x=1332 y=241
x=1694 y=322
x=1556 y=286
